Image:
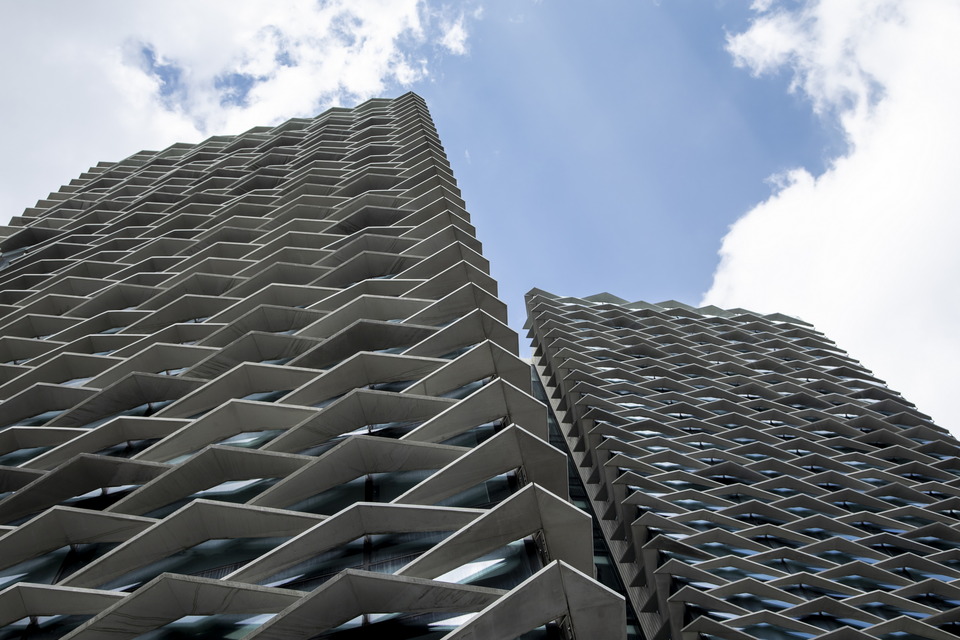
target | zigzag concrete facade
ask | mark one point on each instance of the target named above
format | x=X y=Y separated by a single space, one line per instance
x=752 y=480
x=262 y=387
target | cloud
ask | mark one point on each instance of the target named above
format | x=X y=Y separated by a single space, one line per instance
x=455 y=36
x=104 y=80
x=867 y=251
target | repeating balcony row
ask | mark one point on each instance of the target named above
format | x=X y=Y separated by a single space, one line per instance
x=248 y=155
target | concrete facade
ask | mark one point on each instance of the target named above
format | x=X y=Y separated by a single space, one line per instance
x=751 y=480
x=263 y=387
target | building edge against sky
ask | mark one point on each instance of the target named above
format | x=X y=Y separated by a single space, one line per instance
x=262 y=387
x=751 y=479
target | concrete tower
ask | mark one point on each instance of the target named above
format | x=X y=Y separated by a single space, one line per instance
x=750 y=479
x=262 y=387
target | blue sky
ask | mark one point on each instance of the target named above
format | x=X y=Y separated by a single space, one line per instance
x=619 y=136
x=780 y=155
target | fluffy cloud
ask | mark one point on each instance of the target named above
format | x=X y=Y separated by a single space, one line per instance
x=95 y=80
x=867 y=251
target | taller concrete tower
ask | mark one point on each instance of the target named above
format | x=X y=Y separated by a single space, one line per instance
x=262 y=387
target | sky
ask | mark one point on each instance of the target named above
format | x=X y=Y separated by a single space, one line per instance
x=794 y=156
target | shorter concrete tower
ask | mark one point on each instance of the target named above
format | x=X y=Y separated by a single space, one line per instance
x=750 y=479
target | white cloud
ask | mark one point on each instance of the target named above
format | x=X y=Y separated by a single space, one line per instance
x=868 y=251
x=455 y=36
x=104 y=80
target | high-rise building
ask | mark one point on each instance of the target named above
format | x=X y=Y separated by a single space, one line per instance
x=263 y=387
x=751 y=480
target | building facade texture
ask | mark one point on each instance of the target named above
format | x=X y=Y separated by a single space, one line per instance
x=263 y=387
x=750 y=479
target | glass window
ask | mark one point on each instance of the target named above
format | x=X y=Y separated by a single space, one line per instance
x=215 y=626
x=374 y=487
x=251 y=439
x=235 y=491
x=503 y=568
x=766 y=631
x=42 y=627
x=754 y=602
x=864 y=583
x=38 y=419
x=733 y=573
x=888 y=611
x=55 y=565
x=935 y=600
x=19 y=456
x=382 y=553
x=486 y=494
x=266 y=396
x=810 y=591
x=723 y=549
x=209 y=559
x=127 y=448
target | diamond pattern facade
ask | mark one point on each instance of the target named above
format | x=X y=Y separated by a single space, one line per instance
x=263 y=387
x=751 y=479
